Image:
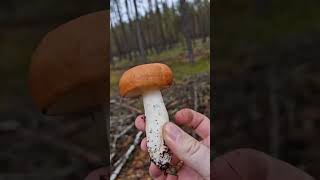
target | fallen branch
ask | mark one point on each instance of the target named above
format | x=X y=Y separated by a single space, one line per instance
x=130 y=108
x=115 y=121
x=112 y=156
x=172 y=103
x=195 y=102
x=125 y=130
x=126 y=156
x=195 y=97
x=117 y=136
x=118 y=162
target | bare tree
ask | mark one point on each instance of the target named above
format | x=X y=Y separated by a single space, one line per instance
x=160 y=23
x=116 y=40
x=158 y=28
x=186 y=28
x=127 y=46
x=130 y=23
x=139 y=34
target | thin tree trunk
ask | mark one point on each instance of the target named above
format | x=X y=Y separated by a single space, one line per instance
x=186 y=29
x=133 y=31
x=126 y=44
x=139 y=34
x=163 y=43
x=116 y=39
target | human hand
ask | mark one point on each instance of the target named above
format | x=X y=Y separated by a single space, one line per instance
x=238 y=164
x=251 y=165
x=194 y=154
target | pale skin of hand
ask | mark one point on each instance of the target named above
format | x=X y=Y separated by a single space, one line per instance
x=195 y=154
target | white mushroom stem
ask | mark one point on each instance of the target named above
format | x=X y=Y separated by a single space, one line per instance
x=156 y=116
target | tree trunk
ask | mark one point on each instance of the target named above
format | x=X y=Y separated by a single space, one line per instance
x=139 y=34
x=132 y=30
x=163 y=43
x=186 y=29
x=126 y=44
x=116 y=39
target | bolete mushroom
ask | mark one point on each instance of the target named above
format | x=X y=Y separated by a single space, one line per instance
x=69 y=70
x=147 y=80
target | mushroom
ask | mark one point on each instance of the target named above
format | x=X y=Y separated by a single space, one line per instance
x=147 y=80
x=69 y=70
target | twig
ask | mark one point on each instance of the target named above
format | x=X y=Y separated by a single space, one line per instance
x=125 y=130
x=126 y=156
x=118 y=162
x=112 y=156
x=195 y=97
x=117 y=136
x=172 y=103
x=130 y=108
x=195 y=102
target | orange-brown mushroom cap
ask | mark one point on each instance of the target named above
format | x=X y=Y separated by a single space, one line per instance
x=142 y=78
x=69 y=68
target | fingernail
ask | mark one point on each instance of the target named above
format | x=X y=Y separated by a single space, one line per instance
x=156 y=174
x=171 y=131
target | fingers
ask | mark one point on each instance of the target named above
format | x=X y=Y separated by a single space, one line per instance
x=140 y=123
x=206 y=141
x=175 y=160
x=143 y=144
x=199 y=122
x=171 y=177
x=155 y=172
x=193 y=153
x=185 y=147
x=143 y=147
x=188 y=173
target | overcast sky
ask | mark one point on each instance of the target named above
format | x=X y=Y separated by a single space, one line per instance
x=142 y=7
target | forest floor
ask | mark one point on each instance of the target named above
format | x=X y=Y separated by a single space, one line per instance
x=176 y=58
x=191 y=89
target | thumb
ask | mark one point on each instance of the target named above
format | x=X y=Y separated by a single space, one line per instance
x=186 y=148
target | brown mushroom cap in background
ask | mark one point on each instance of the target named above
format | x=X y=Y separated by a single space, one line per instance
x=145 y=77
x=69 y=69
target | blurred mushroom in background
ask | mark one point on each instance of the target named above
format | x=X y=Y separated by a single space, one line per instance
x=69 y=74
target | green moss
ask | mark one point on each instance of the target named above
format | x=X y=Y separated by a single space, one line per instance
x=114 y=81
x=174 y=52
x=185 y=69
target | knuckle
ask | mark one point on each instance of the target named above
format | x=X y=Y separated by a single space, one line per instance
x=192 y=147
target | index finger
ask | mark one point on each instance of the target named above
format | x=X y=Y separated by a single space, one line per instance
x=197 y=121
